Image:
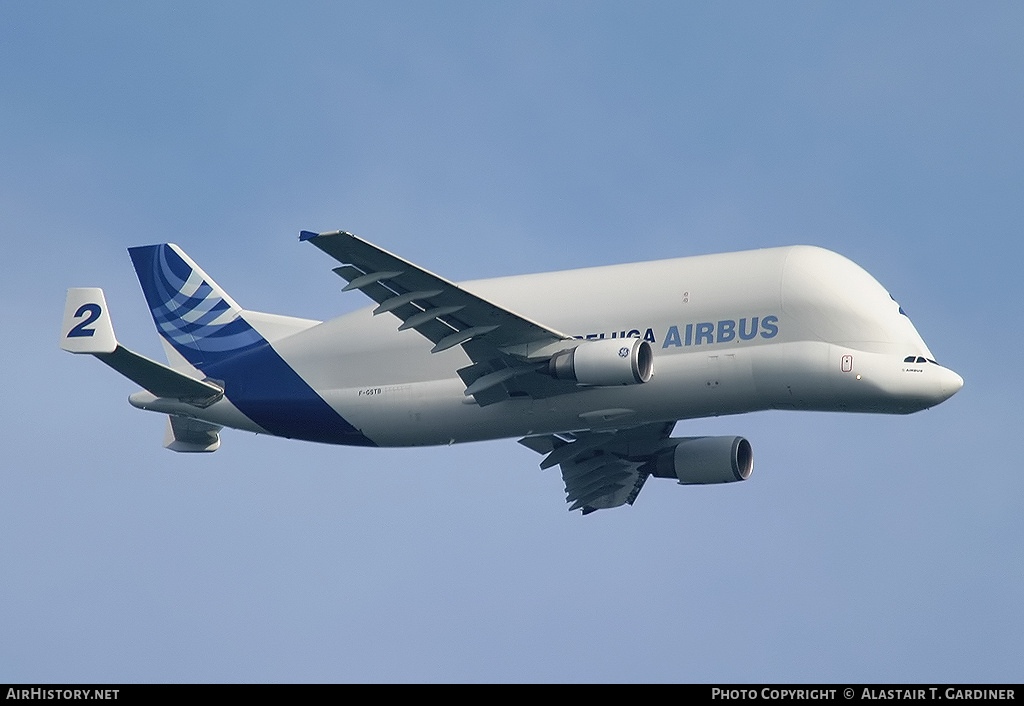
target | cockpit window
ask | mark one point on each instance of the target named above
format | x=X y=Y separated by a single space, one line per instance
x=918 y=359
x=909 y=359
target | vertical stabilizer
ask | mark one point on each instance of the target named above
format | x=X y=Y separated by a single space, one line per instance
x=208 y=330
x=86 y=327
x=192 y=313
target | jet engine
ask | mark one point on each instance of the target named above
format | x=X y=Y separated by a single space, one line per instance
x=701 y=460
x=608 y=361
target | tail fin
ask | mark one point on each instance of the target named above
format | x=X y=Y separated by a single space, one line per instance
x=194 y=315
x=86 y=327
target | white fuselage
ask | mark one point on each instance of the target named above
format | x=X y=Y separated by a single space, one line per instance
x=783 y=328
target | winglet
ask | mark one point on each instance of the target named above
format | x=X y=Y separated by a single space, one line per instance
x=86 y=327
x=305 y=235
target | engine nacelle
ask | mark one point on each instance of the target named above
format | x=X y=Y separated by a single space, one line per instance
x=701 y=460
x=608 y=361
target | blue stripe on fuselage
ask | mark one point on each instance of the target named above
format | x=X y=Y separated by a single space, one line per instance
x=269 y=392
x=257 y=380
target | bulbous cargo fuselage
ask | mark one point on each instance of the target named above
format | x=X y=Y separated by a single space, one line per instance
x=783 y=328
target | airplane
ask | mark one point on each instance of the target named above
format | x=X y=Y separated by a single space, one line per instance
x=592 y=368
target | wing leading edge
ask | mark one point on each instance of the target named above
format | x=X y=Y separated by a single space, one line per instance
x=507 y=350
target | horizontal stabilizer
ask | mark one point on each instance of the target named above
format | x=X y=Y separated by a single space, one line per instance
x=159 y=379
x=87 y=329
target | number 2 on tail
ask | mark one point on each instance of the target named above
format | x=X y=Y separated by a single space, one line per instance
x=91 y=312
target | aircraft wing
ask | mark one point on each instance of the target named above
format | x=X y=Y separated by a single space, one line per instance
x=602 y=469
x=506 y=349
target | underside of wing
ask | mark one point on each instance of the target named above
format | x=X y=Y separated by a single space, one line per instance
x=603 y=470
x=508 y=351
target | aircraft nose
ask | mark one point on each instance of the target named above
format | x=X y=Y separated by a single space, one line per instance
x=950 y=383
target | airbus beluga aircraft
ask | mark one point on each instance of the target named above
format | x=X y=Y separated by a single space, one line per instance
x=591 y=368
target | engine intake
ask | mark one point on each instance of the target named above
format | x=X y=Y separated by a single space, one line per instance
x=608 y=361
x=701 y=460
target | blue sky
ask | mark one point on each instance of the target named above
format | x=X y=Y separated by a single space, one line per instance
x=486 y=139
